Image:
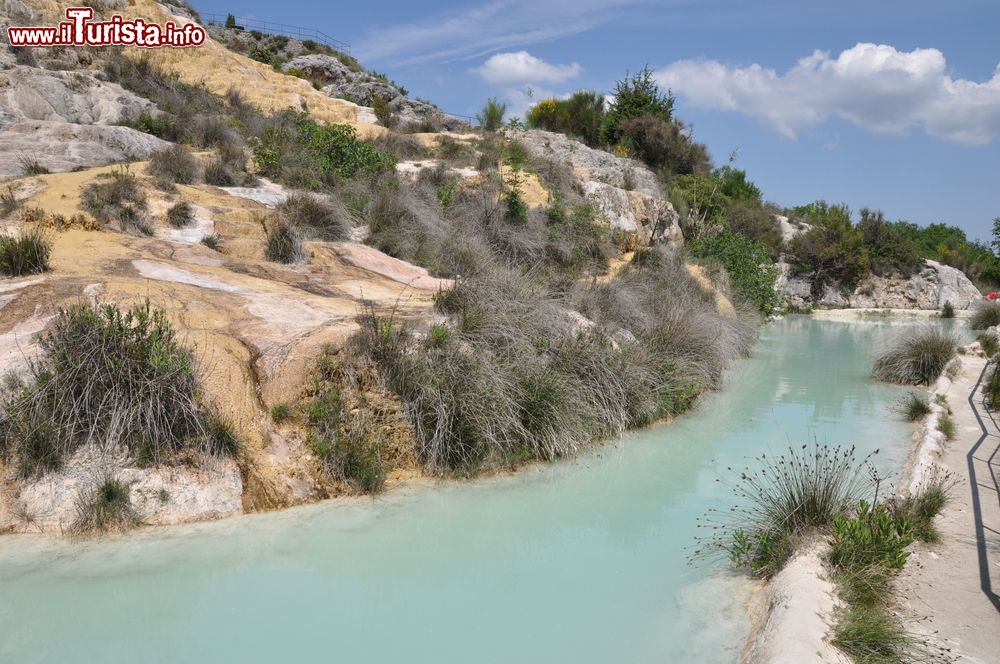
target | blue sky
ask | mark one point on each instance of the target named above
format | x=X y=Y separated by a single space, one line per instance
x=886 y=104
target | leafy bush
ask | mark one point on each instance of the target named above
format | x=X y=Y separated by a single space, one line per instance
x=382 y=111
x=281 y=412
x=916 y=358
x=873 y=536
x=948 y=310
x=949 y=245
x=832 y=252
x=805 y=488
x=213 y=242
x=298 y=151
x=580 y=116
x=180 y=214
x=8 y=201
x=162 y=126
x=283 y=244
x=664 y=144
x=748 y=264
x=348 y=435
x=109 y=378
x=914 y=407
x=946 y=425
x=31 y=166
x=919 y=510
x=516 y=210
x=634 y=97
x=25 y=253
x=105 y=506
x=491 y=117
x=875 y=636
x=323 y=219
x=989 y=344
x=890 y=251
x=985 y=315
x=117 y=197
x=992 y=389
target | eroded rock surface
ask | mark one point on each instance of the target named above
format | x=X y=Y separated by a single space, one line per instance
x=362 y=87
x=929 y=289
x=624 y=191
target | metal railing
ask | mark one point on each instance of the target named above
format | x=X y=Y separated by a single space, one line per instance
x=270 y=27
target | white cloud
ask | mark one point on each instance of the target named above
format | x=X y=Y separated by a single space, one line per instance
x=522 y=68
x=873 y=86
x=486 y=28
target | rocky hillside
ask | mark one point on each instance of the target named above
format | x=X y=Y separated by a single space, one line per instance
x=517 y=268
x=929 y=290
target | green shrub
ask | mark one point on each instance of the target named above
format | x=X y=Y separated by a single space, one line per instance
x=948 y=310
x=31 y=166
x=350 y=448
x=916 y=358
x=755 y=221
x=174 y=164
x=107 y=377
x=989 y=344
x=8 y=201
x=664 y=145
x=106 y=506
x=180 y=214
x=890 y=251
x=805 y=488
x=117 y=197
x=635 y=96
x=992 y=389
x=516 y=210
x=914 y=407
x=162 y=125
x=832 y=252
x=946 y=425
x=213 y=242
x=873 y=536
x=382 y=111
x=321 y=218
x=985 y=315
x=283 y=244
x=491 y=117
x=579 y=116
x=734 y=185
x=748 y=264
x=281 y=412
x=25 y=253
x=875 y=636
x=220 y=434
x=920 y=509
x=218 y=174
x=298 y=151
x=230 y=21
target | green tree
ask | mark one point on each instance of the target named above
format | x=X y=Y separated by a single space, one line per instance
x=832 y=252
x=491 y=117
x=635 y=96
x=230 y=21
x=749 y=265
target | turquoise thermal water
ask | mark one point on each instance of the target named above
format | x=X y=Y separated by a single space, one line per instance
x=580 y=561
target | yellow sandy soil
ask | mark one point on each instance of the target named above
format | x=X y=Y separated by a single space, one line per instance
x=218 y=69
x=256 y=327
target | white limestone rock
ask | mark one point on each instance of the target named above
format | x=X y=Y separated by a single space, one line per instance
x=623 y=191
